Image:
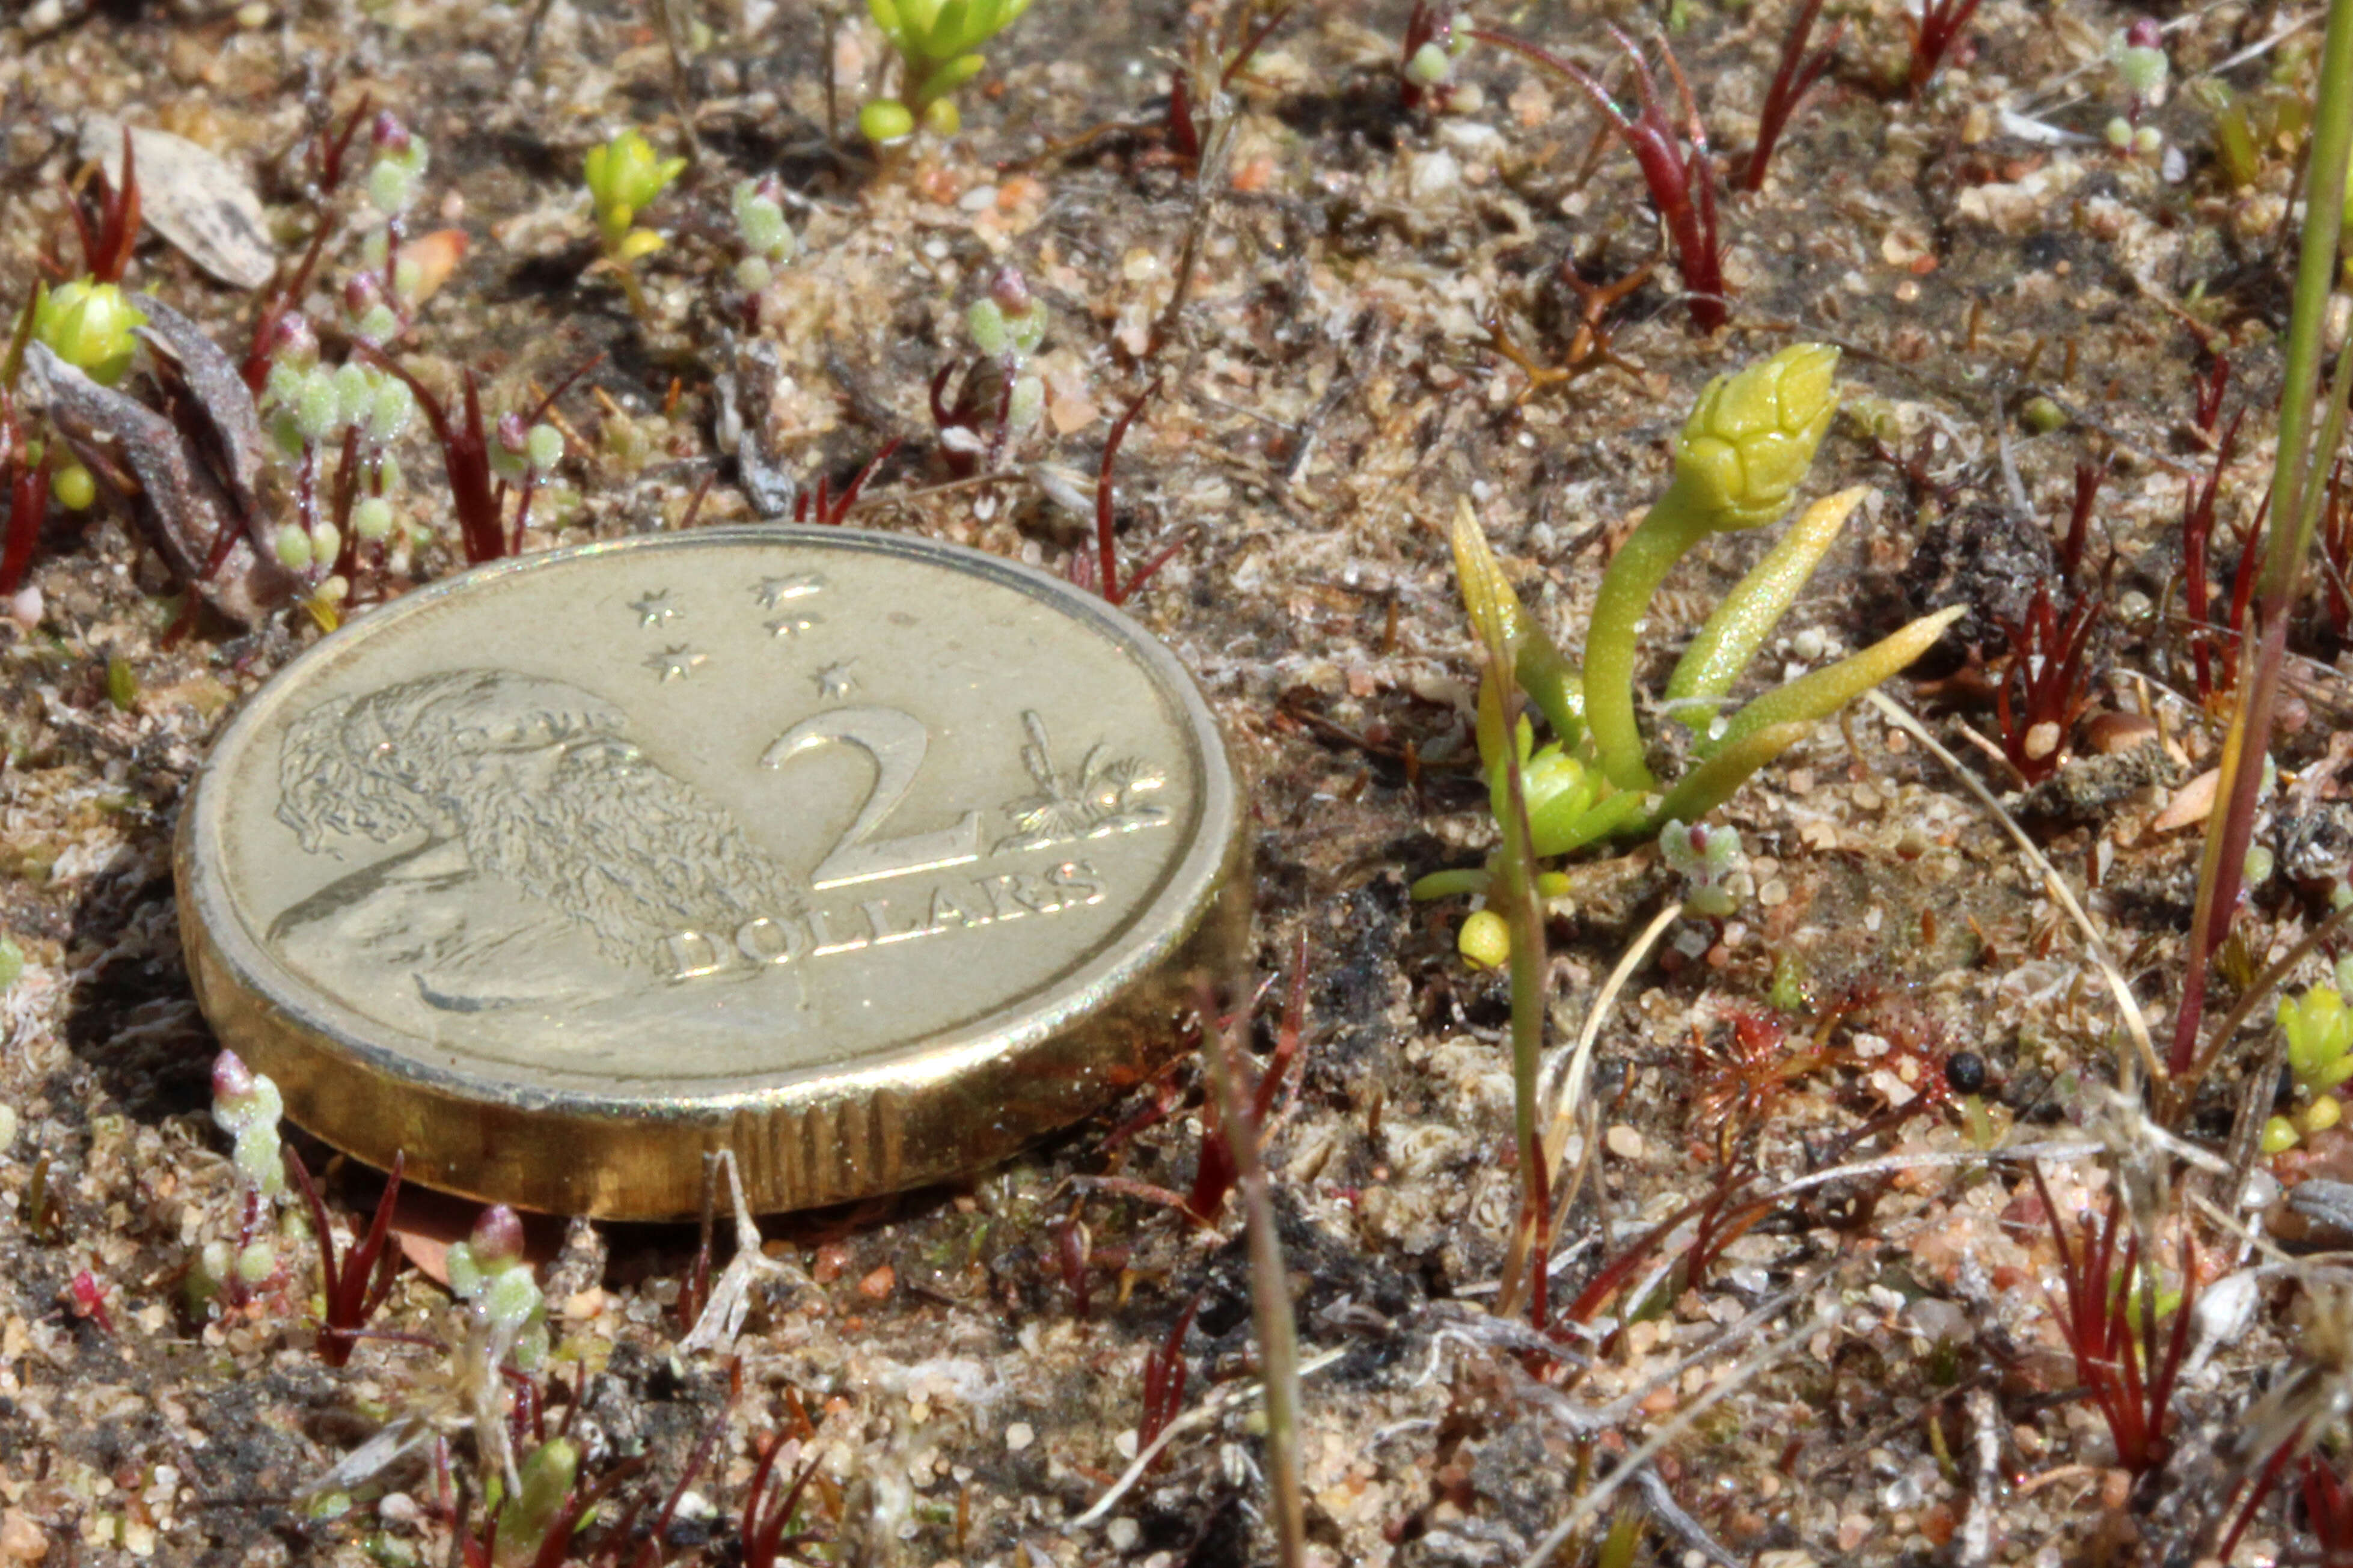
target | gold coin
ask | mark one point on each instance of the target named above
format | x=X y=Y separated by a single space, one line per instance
x=867 y=858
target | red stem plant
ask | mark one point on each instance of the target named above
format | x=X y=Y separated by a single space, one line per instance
x=2130 y=1380
x=824 y=506
x=1164 y=1379
x=1797 y=76
x=2047 y=669
x=1681 y=184
x=108 y=238
x=24 y=482
x=2336 y=539
x=354 y=1288
x=1182 y=129
x=1940 y=24
x=769 y=1508
x=1101 y=573
x=479 y=495
x=2311 y=426
x=2210 y=675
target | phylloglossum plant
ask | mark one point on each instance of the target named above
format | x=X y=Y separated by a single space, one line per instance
x=935 y=41
x=1747 y=446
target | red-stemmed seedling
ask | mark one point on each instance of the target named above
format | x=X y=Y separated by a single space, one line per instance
x=2335 y=537
x=108 y=235
x=2045 y=681
x=355 y=1286
x=24 y=482
x=1215 y=1173
x=1796 y=77
x=2128 y=1377
x=478 y=493
x=1426 y=25
x=769 y=1508
x=1102 y=572
x=824 y=506
x=1681 y=184
x=2089 y=477
x=1215 y=1176
x=2214 y=674
x=1163 y=1380
x=1938 y=28
x=88 y=1298
x=1182 y=130
x=2206 y=392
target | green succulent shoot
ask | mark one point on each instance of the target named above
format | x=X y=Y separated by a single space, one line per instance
x=2319 y=1029
x=1744 y=451
x=935 y=41
x=88 y=325
x=624 y=177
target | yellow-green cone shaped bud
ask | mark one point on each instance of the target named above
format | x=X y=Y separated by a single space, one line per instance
x=88 y=325
x=1752 y=435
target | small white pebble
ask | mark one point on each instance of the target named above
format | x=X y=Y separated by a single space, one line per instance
x=1122 y=1534
x=979 y=199
x=7 y=1128
x=1623 y=1141
x=25 y=608
x=1020 y=1435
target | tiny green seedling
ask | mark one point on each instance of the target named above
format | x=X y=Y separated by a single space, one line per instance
x=624 y=177
x=935 y=41
x=1743 y=452
x=2319 y=1029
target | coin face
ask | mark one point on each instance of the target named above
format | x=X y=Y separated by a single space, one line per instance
x=867 y=858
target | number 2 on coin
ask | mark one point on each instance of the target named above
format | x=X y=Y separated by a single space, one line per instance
x=896 y=741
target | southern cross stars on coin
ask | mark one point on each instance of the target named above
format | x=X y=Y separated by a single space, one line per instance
x=675 y=663
x=655 y=609
x=774 y=591
x=835 y=679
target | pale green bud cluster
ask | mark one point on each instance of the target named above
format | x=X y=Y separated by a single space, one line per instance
x=1714 y=868
x=247 y=1106
x=1007 y=324
x=523 y=452
x=396 y=177
x=88 y=325
x=314 y=405
x=768 y=240
x=934 y=41
x=2138 y=142
x=307 y=410
x=487 y=1271
x=1751 y=437
x=2141 y=68
x=2319 y=1030
x=624 y=177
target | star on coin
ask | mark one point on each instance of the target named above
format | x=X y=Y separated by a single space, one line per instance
x=790 y=626
x=774 y=591
x=675 y=663
x=654 y=609
x=835 y=679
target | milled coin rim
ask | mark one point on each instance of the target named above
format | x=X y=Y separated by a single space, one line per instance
x=894 y=1119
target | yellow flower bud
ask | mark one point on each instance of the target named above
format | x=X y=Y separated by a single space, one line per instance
x=88 y=325
x=1752 y=435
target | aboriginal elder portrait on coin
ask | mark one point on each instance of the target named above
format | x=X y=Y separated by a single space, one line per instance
x=519 y=858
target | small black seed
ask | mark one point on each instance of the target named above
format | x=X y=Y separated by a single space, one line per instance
x=1966 y=1071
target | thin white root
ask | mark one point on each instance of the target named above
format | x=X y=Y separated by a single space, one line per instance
x=731 y=1294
